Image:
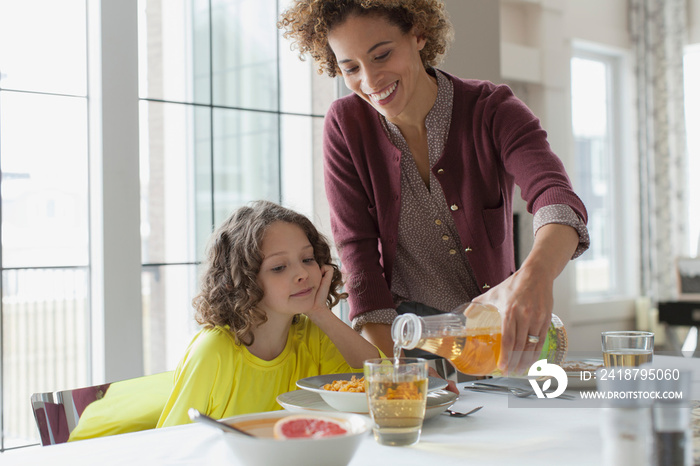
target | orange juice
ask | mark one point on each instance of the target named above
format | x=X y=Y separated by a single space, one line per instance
x=469 y=337
x=475 y=354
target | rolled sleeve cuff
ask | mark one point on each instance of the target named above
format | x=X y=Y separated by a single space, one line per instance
x=563 y=215
x=378 y=316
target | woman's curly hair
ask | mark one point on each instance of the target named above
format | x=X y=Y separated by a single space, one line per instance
x=308 y=23
x=229 y=290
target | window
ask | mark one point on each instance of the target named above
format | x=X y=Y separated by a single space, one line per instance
x=227 y=117
x=45 y=308
x=603 y=176
x=228 y=114
x=692 y=121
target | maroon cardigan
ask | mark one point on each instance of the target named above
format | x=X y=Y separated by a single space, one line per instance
x=494 y=142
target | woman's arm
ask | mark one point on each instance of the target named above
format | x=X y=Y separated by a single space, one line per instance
x=351 y=345
x=349 y=140
x=526 y=297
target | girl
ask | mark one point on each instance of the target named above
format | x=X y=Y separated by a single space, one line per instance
x=265 y=305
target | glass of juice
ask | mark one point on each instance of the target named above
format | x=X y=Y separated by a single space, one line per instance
x=627 y=348
x=396 y=393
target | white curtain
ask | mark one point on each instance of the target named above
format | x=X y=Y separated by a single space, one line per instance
x=659 y=30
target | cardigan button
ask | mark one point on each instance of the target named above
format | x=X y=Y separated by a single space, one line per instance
x=440 y=171
x=486 y=286
x=454 y=207
x=468 y=249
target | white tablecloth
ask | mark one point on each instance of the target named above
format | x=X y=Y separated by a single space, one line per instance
x=551 y=431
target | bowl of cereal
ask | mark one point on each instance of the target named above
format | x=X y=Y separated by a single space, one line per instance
x=343 y=392
x=346 y=392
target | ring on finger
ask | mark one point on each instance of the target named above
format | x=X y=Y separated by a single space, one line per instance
x=533 y=339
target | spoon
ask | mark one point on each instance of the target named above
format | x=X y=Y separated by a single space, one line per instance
x=199 y=417
x=458 y=414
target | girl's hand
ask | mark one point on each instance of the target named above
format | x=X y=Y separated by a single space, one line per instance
x=320 y=305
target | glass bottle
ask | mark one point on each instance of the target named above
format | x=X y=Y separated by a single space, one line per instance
x=469 y=337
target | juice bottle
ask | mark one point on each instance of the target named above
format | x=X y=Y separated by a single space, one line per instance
x=469 y=337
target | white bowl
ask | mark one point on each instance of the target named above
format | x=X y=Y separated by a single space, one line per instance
x=302 y=401
x=350 y=402
x=265 y=450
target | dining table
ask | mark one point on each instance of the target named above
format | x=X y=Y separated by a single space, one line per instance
x=505 y=431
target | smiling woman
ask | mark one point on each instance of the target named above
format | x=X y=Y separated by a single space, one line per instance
x=437 y=231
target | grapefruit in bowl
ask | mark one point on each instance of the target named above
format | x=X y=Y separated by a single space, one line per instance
x=294 y=439
x=308 y=426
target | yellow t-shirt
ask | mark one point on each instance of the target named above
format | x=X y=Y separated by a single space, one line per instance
x=222 y=379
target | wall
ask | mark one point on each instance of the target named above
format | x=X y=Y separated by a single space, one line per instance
x=475 y=52
x=536 y=47
x=694 y=21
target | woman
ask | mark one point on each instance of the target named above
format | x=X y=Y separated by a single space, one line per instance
x=420 y=170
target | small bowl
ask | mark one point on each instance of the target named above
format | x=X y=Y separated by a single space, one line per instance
x=437 y=402
x=350 y=402
x=265 y=450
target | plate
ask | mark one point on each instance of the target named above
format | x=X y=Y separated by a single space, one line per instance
x=573 y=371
x=307 y=400
x=350 y=402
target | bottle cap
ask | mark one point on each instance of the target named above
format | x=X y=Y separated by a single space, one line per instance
x=406 y=330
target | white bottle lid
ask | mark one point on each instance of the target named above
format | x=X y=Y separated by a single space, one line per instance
x=407 y=329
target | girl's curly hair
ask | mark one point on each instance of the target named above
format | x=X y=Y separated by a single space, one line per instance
x=308 y=23
x=229 y=290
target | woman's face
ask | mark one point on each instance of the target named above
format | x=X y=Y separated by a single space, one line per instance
x=378 y=62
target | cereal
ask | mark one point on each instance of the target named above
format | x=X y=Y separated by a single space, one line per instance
x=354 y=385
x=403 y=391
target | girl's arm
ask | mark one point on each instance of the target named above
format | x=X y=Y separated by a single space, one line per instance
x=204 y=373
x=354 y=348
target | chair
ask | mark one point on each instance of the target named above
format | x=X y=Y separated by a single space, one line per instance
x=108 y=409
x=57 y=413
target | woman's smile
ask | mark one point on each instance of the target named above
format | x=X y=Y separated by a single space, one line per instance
x=386 y=95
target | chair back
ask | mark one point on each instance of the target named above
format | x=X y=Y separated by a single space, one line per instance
x=57 y=413
x=114 y=408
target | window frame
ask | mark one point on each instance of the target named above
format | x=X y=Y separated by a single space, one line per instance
x=619 y=301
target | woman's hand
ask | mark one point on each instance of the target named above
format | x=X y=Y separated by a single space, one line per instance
x=525 y=299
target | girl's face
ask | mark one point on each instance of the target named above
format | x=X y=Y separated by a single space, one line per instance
x=289 y=274
x=379 y=63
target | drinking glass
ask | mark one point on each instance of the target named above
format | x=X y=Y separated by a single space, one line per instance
x=627 y=348
x=396 y=393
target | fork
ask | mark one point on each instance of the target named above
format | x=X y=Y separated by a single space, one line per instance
x=519 y=392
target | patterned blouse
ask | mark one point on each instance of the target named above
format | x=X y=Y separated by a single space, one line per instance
x=431 y=268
